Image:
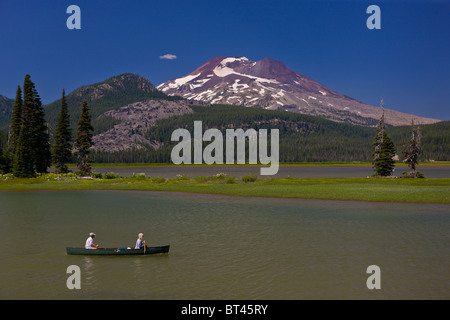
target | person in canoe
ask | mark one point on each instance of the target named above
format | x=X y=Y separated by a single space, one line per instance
x=140 y=243
x=90 y=242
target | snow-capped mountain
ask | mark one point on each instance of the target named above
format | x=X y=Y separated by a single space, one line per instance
x=269 y=84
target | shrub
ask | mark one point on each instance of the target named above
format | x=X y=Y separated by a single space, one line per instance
x=110 y=175
x=79 y=173
x=7 y=176
x=221 y=176
x=201 y=179
x=180 y=177
x=249 y=178
x=230 y=180
x=139 y=176
x=96 y=175
x=419 y=175
x=158 y=180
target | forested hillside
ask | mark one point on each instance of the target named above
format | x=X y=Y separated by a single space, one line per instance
x=435 y=140
x=104 y=96
x=303 y=138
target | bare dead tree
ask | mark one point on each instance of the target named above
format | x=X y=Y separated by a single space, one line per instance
x=413 y=150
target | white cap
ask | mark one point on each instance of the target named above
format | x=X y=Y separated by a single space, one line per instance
x=92 y=234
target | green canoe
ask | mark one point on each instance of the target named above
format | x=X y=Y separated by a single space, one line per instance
x=117 y=251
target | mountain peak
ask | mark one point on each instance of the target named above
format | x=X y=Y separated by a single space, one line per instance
x=270 y=84
x=103 y=96
x=119 y=82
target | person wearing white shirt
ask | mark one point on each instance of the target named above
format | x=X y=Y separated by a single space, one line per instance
x=140 y=243
x=90 y=242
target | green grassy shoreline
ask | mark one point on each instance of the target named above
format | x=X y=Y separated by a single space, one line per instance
x=350 y=189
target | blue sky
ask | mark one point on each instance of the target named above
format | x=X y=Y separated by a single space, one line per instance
x=406 y=62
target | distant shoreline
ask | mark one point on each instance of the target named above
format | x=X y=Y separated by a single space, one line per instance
x=286 y=164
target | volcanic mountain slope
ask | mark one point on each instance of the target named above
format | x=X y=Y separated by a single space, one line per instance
x=269 y=84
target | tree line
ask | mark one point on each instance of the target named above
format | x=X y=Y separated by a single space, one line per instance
x=29 y=151
x=303 y=138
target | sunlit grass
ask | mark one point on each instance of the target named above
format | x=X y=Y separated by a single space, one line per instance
x=357 y=189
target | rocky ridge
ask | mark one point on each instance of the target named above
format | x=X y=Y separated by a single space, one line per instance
x=136 y=119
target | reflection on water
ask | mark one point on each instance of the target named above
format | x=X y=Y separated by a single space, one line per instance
x=88 y=272
x=221 y=247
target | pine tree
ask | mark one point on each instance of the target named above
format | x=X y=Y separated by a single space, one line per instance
x=413 y=150
x=62 y=145
x=16 y=122
x=4 y=161
x=41 y=139
x=32 y=152
x=23 y=164
x=383 y=151
x=83 y=141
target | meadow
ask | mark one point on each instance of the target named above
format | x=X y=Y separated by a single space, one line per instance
x=352 y=189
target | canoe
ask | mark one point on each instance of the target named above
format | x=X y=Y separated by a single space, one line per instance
x=117 y=251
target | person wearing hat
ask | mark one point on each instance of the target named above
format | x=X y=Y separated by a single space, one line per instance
x=90 y=242
x=140 y=243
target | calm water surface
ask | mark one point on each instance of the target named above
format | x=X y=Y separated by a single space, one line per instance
x=221 y=247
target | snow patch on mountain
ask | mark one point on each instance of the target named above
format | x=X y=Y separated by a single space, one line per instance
x=269 y=84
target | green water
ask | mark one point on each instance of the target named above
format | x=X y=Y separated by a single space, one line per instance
x=221 y=247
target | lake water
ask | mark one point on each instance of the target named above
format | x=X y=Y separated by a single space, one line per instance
x=221 y=247
x=284 y=171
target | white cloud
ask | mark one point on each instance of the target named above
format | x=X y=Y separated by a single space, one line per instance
x=168 y=56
